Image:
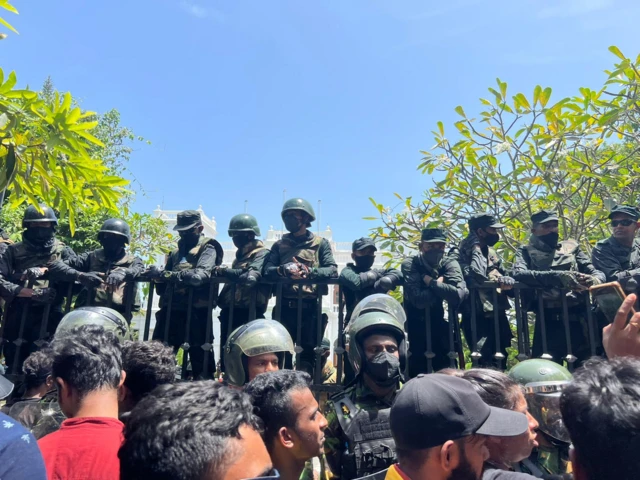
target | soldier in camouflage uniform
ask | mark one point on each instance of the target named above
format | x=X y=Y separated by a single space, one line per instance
x=358 y=440
x=25 y=282
x=480 y=263
x=543 y=381
x=298 y=255
x=113 y=264
x=430 y=278
x=246 y=270
x=556 y=267
x=190 y=266
x=618 y=256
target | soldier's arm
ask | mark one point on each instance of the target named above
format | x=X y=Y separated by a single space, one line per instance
x=352 y=280
x=395 y=274
x=255 y=266
x=136 y=268
x=585 y=266
x=334 y=440
x=68 y=269
x=605 y=261
x=453 y=287
x=533 y=278
x=271 y=263
x=415 y=289
x=202 y=272
x=477 y=272
x=8 y=289
x=328 y=267
x=161 y=287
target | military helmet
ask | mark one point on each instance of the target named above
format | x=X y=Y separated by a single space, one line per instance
x=117 y=227
x=378 y=313
x=252 y=339
x=32 y=215
x=543 y=382
x=298 y=204
x=244 y=223
x=108 y=318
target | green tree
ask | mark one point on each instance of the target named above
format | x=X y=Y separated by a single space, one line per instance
x=576 y=156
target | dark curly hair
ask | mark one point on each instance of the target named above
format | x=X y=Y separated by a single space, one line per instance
x=88 y=358
x=182 y=431
x=37 y=367
x=147 y=364
x=270 y=393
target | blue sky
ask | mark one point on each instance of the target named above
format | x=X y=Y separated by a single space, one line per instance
x=329 y=99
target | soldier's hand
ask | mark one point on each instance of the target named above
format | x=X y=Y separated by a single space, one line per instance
x=384 y=284
x=219 y=270
x=250 y=279
x=171 y=277
x=427 y=280
x=622 y=339
x=89 y=279
x=116 y=277
x=34 y=273
x=290 y=270
x=43 y=295
x=506 y=283
x=369 y=278
x=153 y=272
x=304 y=270
x=586 y=280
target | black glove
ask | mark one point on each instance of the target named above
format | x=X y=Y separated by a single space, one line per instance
x=34 y=272
x=116 y=277
x=153 y=272
x=586 y=280
x=89 y=279
x=369 y=278
x=43 y=295
x=189 y=277
x=171 y=277
x=506 y=281
x=290 y=269
x=219 y=270
x=250 y=279
x=384 y=284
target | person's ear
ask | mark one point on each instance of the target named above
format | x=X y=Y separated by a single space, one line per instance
x=123 y=394
x=49 y=382
x=64 y=392
x=449 y=456
x=285 y=438
x=123 y=375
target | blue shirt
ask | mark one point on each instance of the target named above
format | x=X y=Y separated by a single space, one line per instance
x=20 y=457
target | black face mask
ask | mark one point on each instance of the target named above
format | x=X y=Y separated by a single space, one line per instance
x=189 y=238
x=39 y=236
x=433 y=257
x=550 y=239
x=292 y=224
x=364 y=263
x=491 y=239
x=241 y=241
x=113 y=247
x=384 y=369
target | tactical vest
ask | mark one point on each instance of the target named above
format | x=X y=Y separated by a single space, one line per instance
x=189 y=261
x=371 y=447
x=560 y=259
x=242 y=298
x=493 y=273
x=306 y=253
x=98 y=262
x=26 y=255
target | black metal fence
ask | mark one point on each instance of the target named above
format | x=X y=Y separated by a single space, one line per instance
x=520 y=319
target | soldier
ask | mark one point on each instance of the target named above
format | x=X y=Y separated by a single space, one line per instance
x=5 y=241
x=543 y=381
x=480 y=263
x=113 y=264
x=430 y=278
x=301 y=255
x=555 y=266
x=358 y=439
x=25 y=282
x=618 y=256
x=188 y=266
x=255 y=348
x=247 y=271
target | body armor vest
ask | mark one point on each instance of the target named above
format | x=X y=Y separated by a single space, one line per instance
x=371 y=447
x=305 y=253
x=243 y=294
x=27 y=255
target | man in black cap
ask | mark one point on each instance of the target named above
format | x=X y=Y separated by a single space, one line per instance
x=430 y=278
x=563 y=270
x=480 y=263
x=189 y=266
x=439 y=423
x=618 y=256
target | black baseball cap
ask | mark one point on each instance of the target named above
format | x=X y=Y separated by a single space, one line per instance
x=432 y=409
x=362 y=243
x=630 y=210
x=483 y=220
x=544 y=216
x=432 y=235
x=188 y=219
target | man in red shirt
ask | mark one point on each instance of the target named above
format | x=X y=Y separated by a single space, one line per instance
x=87 y=371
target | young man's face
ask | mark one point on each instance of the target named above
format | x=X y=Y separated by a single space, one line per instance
x=252 y=458
x=374 y=344
x=266 y=362
x=308 y=433
x=541 y=229
x=623 y=226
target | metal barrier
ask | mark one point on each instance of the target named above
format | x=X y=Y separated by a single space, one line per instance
x=455 y=354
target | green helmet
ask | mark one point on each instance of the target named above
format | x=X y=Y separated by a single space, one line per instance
x=298 y=204
x=117 y=227
x=252 y=339
x=375 y=313
x=244 y=223
x=32 y=215
x=543 y=381
x=108 y=318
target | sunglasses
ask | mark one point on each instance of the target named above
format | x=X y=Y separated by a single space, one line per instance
x=624 y=223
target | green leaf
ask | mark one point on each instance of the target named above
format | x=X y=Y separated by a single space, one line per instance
x=523 y=101
x=545 y=96
x=616 y=51
x=8 y=25
x=441 y=128
x=536 y=94
x=460 y=111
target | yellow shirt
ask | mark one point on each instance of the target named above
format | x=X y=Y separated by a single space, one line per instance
x=394 y=473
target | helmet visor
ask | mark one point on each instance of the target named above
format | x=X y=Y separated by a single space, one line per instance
x=545 y=408
x=263 y=337
x=380 y=302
